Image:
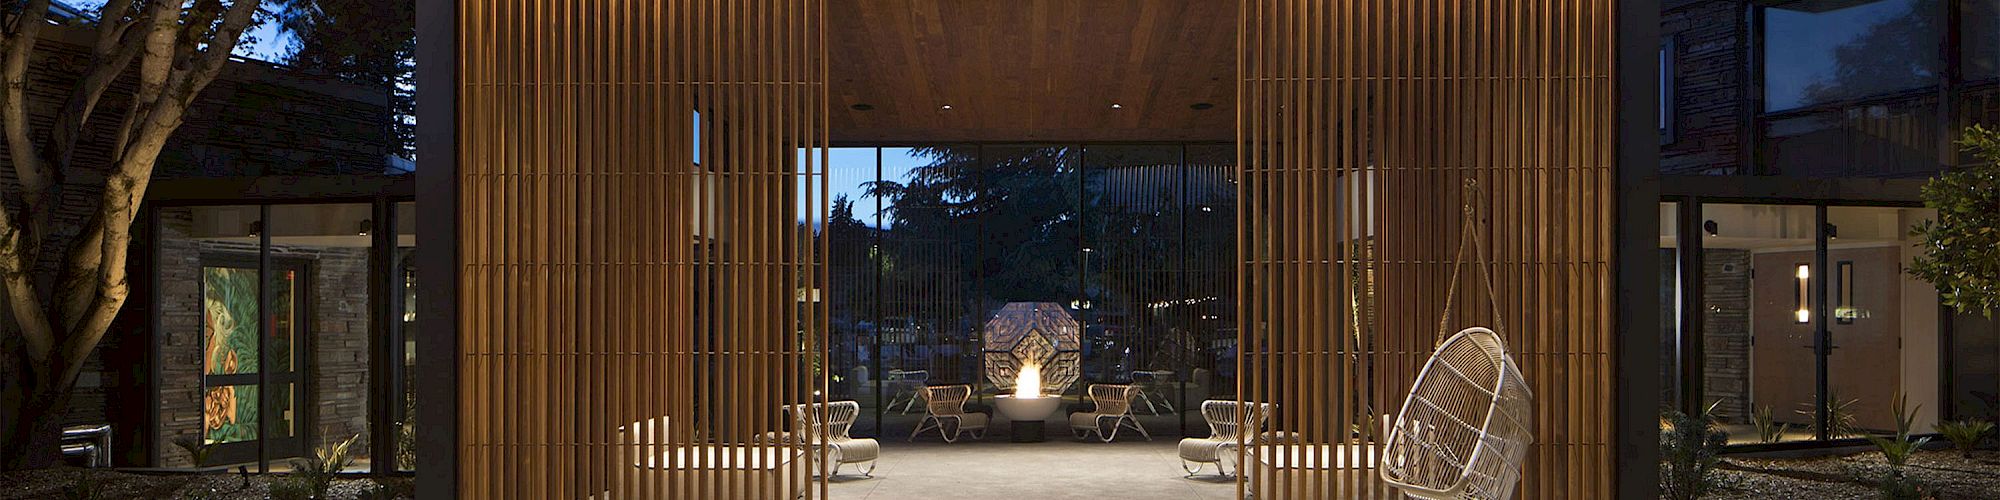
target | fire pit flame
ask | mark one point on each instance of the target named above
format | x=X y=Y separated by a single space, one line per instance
x=1028 y=383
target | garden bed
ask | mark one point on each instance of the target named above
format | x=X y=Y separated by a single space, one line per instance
x=1857 y=476
x=60 y=482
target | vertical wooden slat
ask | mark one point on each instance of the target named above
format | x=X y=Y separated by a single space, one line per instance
x=1358 y=124
x=609 y=277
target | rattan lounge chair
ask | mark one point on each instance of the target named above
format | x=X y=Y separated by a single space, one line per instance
x=1114 y=405
x=946 y=403
x=1226 y=426
x=834 y=420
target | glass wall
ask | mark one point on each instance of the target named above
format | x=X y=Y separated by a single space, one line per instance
x=1670 y=305
x=1757 y=356
x=1975 y=367
x=1134 y=242
x=1818 y=52
x=1850 y=87
x=402 y=285
x=1979 y=40
x=1810 y=330
x=279 y=309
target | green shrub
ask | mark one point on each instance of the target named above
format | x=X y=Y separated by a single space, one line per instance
x=1897 y=449
x=85 y=486
x=313 y=475
x=1768 y=430
x=196 y=447
x=390 y=489
x=1839 y=415
x=1896 y=485
x=294 y=488
x=1961 y=246
x=1964 y=434
x=1690 y=448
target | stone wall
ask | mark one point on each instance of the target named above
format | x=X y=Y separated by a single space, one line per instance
x=337 y=335
x=1710 y=87
x=1725 y=290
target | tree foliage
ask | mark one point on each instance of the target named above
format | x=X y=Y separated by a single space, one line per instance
x=371 y=42
x=1961 y=246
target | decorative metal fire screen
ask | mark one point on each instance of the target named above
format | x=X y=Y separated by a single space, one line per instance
x=1033 y=333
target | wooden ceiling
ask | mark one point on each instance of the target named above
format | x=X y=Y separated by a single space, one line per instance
x=1031 y=70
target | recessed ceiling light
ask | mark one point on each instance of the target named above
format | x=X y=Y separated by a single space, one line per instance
x=1117 y=106
x=946 y=107
x=862 y=107
x=1201 y=106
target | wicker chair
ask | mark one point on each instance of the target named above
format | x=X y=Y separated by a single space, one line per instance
x=834 y=419
x=908 y=387
x=947 y=402
x=1114 y=403
x=1226 y=426
x=1464 y=431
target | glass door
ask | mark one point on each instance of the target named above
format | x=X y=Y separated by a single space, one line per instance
x=250 y=360
x=1810 y=328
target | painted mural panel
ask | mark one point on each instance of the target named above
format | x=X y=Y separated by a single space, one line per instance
x=229 y=333
x=229 y=327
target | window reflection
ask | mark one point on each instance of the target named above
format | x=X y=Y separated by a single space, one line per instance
x=1818 y=52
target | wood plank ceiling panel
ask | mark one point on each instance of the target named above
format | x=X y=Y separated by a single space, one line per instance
x=633 y=277
x=1034 y=70
x=1360 y=123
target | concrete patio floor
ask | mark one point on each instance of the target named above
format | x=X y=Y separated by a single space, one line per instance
x=1060 y=468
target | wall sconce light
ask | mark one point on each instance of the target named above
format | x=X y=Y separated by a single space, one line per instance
x=256 y=228
x=362 y=228
x=1843 y=286
x=1805 y=279
x=1832 y=231
x=1709 y=226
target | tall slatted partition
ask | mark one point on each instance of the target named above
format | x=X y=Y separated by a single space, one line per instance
x=1359 y=123
x=640 y=194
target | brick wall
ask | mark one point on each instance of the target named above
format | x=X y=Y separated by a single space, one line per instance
x=337 y=315
x=1710 y=87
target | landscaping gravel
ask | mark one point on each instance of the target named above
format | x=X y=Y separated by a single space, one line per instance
x=57 y=483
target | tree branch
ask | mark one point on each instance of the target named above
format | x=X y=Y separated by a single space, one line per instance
x=29 y=169
x=221 y=45
x=16 y=273
x=126 y=186
x=78 y=293
x=113 y=53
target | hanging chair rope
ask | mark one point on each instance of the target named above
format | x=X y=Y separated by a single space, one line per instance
x=1469 y=236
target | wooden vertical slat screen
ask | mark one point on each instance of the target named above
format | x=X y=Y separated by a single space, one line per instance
x=626 y=264
x=1359 y=124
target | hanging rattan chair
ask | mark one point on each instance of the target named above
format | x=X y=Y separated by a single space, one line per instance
x=1464 y=431
x=1465 y=428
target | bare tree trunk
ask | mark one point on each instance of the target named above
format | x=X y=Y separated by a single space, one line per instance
x=34 y=437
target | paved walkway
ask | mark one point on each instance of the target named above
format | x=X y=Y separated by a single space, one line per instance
x=1060 y=468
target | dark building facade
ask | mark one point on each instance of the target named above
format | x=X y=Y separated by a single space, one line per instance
x=1794 y=140
x=276 y=173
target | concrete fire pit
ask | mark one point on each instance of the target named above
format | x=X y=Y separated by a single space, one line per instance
x=1027 y=414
